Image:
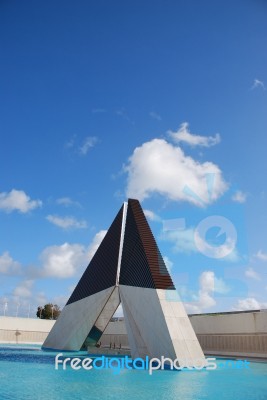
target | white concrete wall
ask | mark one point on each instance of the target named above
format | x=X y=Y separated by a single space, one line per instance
x=116 y=328
x=238 y=334
x=26 y=324
x=234 y=334
x=24 y=330
x=253 y=322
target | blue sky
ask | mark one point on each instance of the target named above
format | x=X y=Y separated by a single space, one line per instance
x=150 y=99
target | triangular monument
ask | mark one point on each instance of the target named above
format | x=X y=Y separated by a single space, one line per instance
x=128 y=268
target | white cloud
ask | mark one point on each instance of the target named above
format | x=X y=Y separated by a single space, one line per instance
x=239 y=197
x=159 y=167
x=183 y=240
x=17 y=200
x=66 y=260
x=67 y=222
x=174 y=224
x=183 y=135
x=168 y=263
x=88 y=143
x=95 y=243
x=71 y=288
x=251 y=273
x=8 y=266
x=40 y=299
x=60 y=300
x=203 y=302
x=63 y=261
x=154 y=115
x=192 y=308
x=250 y=303
x=152 y=216
x=24 y=289
x=67 y=201
x=209 y=284
x=261 y=255
x=258 y=84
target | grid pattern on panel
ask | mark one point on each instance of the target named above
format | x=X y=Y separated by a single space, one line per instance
x=135 y=269
x=142 y=264
x=102 y=269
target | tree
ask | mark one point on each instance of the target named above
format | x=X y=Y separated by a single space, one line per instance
x=48 y=311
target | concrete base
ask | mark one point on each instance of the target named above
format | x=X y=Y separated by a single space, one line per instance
x=76 y=321
x=157 y=325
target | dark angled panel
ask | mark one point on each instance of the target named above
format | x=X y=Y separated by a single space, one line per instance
x=142 y=264
x=135 y=269
x=102 y=270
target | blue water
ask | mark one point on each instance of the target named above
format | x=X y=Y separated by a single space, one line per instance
x=29 y=373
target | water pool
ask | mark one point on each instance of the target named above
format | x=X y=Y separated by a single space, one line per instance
x=29 y=373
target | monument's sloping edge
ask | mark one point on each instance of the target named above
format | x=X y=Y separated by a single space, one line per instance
x=128 y=268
